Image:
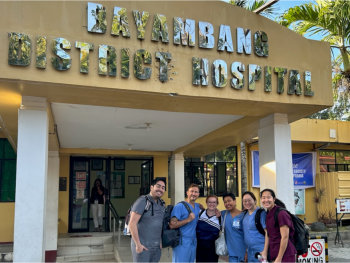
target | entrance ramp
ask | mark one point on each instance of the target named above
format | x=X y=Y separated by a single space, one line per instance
x=85 y=247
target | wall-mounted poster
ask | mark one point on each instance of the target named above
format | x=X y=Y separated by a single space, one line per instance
x=299 y=201
x=304 y=169
x=80 y=175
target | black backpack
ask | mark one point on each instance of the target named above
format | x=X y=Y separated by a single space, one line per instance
x=171 y=237
x=258 y=225
x=301 y=234
x=149 y=204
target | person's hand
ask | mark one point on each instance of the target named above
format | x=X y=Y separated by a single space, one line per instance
x=217 y=212
x=190 y=217
x=201 y=207
x=264 y=254
x=278 y=260
x=140 y=248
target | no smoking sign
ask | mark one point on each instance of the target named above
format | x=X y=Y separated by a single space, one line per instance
x=316 y=249
x=316 y=252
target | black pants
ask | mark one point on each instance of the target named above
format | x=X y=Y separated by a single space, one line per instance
x=206 y=251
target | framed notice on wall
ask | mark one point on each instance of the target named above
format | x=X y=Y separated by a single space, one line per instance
x=343 y=206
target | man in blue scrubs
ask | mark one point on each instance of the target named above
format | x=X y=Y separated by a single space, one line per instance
x=180 y=218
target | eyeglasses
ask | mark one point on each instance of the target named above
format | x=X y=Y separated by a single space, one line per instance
x=212 y=202
x=160 y=186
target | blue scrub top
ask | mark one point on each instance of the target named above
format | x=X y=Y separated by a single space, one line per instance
x=253 y=239
x=234 y=235
x=181 y=213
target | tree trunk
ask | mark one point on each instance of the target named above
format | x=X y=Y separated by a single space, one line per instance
x=244 y=175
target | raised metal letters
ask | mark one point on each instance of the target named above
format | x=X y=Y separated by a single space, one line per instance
x=184 y=32
x=107 y=59
x=219 y=73
x=307 y=84
x=294 y=86
x=200 y=69
x=267 y=79
x=63 y=60
x=163 y=57
x=206 y=38
x=281 y=72
x=254 y=73
x=120 y=22
x=125 y=59
x=84 y=55
x=244 y=41
x=41 y=52
x=160 y=28
x=225 y=39
x=237 y=82
x=96 y=18
x=142 y=56
x=141 y=22
x=20 y=48
x=261 y=46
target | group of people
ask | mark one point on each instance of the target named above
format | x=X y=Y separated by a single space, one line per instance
x=248 y=233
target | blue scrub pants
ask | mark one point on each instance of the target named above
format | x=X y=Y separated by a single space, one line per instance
x=186 y=251
x=235 y=259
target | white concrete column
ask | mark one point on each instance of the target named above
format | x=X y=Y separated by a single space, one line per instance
x=32 y=150
x=51 y=228
x=275 y=158
x=177 y=177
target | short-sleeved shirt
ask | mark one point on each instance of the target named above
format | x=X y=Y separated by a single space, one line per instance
x=234 y=235
x=274 y=234
x=253 y=239
x=181 y=213
x=149 y=226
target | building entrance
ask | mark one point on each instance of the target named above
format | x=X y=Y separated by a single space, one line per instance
x=124 y=179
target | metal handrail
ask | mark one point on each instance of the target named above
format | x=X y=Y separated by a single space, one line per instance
x=115 y=217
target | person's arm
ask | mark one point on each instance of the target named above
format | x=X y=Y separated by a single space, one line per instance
x=284 y=230
x=134 y=219
x=266 y=246
x=175 y=223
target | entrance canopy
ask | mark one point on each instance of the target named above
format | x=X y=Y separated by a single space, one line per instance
x=177 y=76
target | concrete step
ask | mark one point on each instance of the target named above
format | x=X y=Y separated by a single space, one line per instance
x=88 y=257
x=85 y=247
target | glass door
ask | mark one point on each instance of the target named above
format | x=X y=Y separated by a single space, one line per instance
x=79 y=195
x=146 y=177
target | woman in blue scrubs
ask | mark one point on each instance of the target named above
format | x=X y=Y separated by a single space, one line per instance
x=253 y=238
x=233 y=229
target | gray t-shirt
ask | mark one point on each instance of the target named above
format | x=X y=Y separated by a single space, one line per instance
x=149 y=227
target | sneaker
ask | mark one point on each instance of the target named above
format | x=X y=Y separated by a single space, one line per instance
x=100 y=228
x=96 y=229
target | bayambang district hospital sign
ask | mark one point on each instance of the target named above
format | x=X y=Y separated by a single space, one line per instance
x=218 y=72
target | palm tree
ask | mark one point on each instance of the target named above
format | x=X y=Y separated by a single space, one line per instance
x=328 y=18
x=254 y=5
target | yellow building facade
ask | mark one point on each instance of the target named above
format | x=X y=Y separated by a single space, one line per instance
x=129 y=90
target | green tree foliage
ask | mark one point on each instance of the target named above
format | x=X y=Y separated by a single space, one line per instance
x=253 y=5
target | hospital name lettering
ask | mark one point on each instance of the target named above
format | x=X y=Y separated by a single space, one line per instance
x=20 y=50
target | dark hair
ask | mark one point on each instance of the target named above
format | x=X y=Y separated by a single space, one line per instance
x=98 y=180
x=157 y=179
x=249 y=193
x=230 y=195
x=193 y=185
x=209 y=196
x=277 y=201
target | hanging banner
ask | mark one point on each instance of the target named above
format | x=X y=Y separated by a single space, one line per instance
x=304 y=169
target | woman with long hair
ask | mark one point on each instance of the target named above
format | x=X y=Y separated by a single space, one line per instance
x=97 y=201
x=279 y=236
x=208 y=228
x=233 y=229
x=254 y=227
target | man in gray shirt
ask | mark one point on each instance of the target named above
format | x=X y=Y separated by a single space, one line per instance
x=146 y=221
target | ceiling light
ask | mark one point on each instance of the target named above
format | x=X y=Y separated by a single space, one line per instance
x=142 y=126
x=129 y=146
x=172 y=94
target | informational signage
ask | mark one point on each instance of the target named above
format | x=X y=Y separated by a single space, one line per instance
x=299 y=201
x=343 y=206
x=316 y=252
x=304 y=169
